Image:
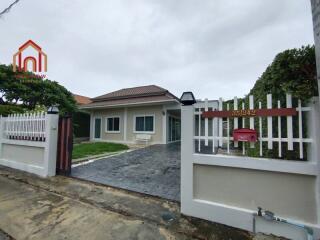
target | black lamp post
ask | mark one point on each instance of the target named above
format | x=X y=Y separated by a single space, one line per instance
x=53 y=110
x=187 y=99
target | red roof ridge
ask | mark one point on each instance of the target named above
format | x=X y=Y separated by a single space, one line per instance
x=140 y=91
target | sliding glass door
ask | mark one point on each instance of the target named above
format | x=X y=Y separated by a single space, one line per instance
x=174 y=129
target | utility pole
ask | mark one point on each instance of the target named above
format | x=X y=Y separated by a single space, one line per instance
x=315 y=5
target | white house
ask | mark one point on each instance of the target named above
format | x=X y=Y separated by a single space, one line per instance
x=130 y=115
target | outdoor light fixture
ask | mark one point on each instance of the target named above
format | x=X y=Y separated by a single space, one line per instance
x=53 y=109
x=187 y=99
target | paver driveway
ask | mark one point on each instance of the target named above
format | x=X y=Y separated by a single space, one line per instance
x=153 y=170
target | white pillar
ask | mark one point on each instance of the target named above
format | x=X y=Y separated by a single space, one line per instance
x=315 y=5
x=50 y=151
x=313 y=151
x=125 y=122
x=91 y=126
x=1 y=133
x=187 y=150
x=164 y=125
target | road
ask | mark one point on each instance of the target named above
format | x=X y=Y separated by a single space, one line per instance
x=66 y=208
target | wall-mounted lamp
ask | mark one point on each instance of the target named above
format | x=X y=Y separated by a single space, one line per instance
x=187 y=99
x=53 y=110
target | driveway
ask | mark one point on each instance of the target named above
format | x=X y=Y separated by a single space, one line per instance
x=153 y=170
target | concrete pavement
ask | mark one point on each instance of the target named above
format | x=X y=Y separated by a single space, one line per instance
x=66 y=208
x=30 y=213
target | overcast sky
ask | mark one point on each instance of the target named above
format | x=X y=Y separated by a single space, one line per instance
x=215 y=48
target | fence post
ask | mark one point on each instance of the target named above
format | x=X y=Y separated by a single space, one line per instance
x=187 y=149
x=50 y=152
x=1 y=134
x=313 y=149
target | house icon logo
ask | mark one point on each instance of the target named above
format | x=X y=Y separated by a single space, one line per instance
x=22 y=60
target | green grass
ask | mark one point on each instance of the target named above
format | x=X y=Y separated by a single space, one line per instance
x=89 y=149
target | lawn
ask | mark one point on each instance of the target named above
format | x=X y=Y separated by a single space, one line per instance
x=88 y=149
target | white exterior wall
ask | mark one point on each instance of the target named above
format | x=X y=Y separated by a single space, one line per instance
x=293 y=195
x=127 y=116
x=228 y=189
x=31 y=156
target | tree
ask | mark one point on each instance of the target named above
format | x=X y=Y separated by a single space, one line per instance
x=292 y=71
x=27 y=91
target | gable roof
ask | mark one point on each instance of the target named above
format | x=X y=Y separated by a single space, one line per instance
x=135 y=95
x=81 y=100
x=149 y=90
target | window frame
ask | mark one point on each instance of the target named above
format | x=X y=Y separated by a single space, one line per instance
x=144 y=116
x=107 y=122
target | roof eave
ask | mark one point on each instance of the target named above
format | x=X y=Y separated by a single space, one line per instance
x=130 y=104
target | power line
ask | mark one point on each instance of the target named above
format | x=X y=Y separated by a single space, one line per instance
x=6 y=10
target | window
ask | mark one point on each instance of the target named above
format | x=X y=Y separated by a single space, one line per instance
x=113 y=124
x=144 y=124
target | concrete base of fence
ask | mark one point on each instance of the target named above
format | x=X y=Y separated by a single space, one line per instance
x=36 y=156
x=23 y=157
x=228 y=189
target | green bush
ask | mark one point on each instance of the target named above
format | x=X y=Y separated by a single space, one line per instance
x=5 y=110
x=81 y=124
x=292 y=71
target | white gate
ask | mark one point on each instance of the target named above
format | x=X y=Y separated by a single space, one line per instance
x=226 y=186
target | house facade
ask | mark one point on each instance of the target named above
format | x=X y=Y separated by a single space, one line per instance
x=132 y=115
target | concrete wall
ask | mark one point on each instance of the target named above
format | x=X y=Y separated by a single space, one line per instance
x=24 y=154
x=293 y=195
x=38 y=157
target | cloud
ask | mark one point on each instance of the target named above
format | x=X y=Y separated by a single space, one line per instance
x=214 y=48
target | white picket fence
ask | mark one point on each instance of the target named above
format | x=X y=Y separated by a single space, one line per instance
x=226 y=186
x=28 y=126
x=28 y=142
x=218 y=138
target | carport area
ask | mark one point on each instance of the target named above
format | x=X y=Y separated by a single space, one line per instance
x=153 y=170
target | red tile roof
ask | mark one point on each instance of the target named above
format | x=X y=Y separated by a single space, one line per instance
x=81 y=100
x=132 y=92
x=129 y=96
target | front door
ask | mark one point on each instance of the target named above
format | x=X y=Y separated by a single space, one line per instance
x=97 y=128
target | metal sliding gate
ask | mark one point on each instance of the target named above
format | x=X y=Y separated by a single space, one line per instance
x=65 y=144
